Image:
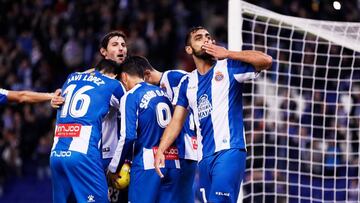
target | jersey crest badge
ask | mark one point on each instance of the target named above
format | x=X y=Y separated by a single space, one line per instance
x=219 y=76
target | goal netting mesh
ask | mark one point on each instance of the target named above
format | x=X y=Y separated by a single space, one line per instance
x=301 y=116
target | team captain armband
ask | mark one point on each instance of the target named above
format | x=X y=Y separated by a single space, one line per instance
x=172 y=153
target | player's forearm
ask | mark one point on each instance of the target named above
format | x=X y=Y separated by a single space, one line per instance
x=122 y=152
x=170 y=134
x=258 y=59
x=29 y=97
x=168 y=138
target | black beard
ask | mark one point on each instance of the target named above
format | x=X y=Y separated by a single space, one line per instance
x=203 y=55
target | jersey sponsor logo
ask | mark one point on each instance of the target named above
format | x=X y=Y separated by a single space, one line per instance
x=68 y=130
x=218 y=76
x=204 y=107
x=61 y=153
x=172 y=153
x=194 y=142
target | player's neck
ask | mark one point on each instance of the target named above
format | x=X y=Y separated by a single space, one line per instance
x=158 y=76
x=134 y=81
x=110 y=75
x=203 y=66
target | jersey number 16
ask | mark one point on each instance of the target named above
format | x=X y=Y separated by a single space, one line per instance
x=76 y=103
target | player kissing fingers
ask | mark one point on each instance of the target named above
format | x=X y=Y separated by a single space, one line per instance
x=216 y=51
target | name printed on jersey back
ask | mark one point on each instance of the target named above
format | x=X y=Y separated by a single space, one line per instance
x=150 y=95
x=86 y=77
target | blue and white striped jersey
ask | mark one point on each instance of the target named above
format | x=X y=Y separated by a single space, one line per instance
x=145 y=112
x=111 y=128
x=3 y=96
x=79 y=120
x=170 y=82
x=215 y=99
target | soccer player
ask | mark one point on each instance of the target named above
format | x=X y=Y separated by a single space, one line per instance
x=145 y=112
x=214 y=94
x=112 y=47
x=25 y=96
x=169 y=81
x=76 y=158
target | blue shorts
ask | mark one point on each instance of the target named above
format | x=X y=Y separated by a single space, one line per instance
x=146 y=186
x=221 y=175
x=78 y=174
x=115 y=195
x=186 y=181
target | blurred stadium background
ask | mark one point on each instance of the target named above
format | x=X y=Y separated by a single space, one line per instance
x=41 y=41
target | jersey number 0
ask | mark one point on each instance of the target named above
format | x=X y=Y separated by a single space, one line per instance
x=163 y=114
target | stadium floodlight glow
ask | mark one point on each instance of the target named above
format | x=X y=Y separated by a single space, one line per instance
x=337 y=5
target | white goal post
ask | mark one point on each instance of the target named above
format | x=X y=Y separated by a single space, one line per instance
x=302 y=116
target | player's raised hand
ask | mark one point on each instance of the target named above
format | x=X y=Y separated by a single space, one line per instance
x=57 y=99
x=216 y=51
x=159 y=162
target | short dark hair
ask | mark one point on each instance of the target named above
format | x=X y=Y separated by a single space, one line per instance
x=108 y=66
x=116 y=33
x=144 y=63
x=134 y=66
x=192 y=30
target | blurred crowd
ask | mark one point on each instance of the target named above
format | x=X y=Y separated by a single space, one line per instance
x=42 y=41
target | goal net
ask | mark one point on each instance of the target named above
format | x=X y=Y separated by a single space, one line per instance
x=302 y=115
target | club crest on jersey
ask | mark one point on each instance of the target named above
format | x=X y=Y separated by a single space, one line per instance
x=219 y=76
x=204 y=106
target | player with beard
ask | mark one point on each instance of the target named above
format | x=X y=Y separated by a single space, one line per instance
x=214 y=94
x=112 y=47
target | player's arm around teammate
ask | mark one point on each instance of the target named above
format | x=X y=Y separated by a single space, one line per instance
x=27 y=96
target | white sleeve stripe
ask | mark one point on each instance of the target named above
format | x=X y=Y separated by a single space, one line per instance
x=176 y=94
x=114 y=102
x=246 y=76
x=120 y=146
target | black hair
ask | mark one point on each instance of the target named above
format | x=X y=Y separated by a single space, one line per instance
x=135 y=66
x=144 y=63
x=108 y=66
x=116 y=33
x=192 y=30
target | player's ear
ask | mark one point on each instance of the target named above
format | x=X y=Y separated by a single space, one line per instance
x=123 y=77
x=188 y=50
x=103 y=52
x=147 y=74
